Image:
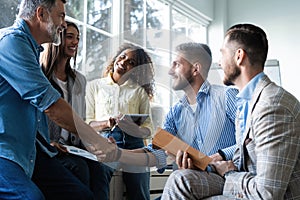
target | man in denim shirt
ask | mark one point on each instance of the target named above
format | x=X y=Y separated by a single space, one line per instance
x=26 y=99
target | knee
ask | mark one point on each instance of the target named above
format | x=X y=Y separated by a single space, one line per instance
x=34 y=194
x=174 y=179
x=179 y=178
x=177 y=175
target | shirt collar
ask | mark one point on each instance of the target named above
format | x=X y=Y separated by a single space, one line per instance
x=247 y=92
x=203 y=91
x=21 y=23
x=129 y=82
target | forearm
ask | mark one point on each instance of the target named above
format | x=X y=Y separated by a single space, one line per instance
x=138 y=157
x=143 y=132
x=99 y=125
x=135 y=130
x=62 y=114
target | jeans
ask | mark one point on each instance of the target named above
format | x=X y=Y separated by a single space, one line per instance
x=57 y=182
x=15 y=184
x=124 y=140
x=137 y=184
x=88 y=171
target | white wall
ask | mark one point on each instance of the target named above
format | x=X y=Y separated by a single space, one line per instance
x=279 y=19
x=204 y=6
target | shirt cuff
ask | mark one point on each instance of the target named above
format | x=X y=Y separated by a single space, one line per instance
x=161 y=157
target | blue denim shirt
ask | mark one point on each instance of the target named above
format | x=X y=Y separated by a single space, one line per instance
x=210 y=128
x=24 y=95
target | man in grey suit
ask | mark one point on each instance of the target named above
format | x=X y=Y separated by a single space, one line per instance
x=266 y=164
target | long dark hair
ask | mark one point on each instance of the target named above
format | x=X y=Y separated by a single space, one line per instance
x=143 y=72
x=52 y=53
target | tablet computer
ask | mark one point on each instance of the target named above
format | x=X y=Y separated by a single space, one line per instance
x=137 y=118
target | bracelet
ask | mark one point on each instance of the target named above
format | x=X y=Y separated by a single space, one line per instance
x=147 y=157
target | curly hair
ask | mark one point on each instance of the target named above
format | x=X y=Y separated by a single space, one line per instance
x=142 y=73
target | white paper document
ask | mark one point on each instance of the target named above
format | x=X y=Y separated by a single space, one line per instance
x=81 y=152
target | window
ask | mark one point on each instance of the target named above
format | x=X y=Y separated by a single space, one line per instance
x=94 y=16
x=8 y=12
x=160 y=26
x=157 y=25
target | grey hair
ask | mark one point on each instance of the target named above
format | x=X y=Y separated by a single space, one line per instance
x=196 y=52
x=28 y=7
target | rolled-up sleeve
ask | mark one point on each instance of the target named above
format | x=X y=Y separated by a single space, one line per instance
x=161 y=157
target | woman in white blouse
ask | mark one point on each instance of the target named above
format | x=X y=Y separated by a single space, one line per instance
x=126 y=88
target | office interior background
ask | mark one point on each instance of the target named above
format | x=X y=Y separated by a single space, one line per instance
x=159 y=25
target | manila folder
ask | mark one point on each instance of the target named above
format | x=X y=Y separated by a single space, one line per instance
x=165 y=140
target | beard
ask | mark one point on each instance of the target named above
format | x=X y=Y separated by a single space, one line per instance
x=231 y=75
x=182 y=82
x=53 y=32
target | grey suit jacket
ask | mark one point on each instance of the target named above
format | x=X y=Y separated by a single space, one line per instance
x=268 y=154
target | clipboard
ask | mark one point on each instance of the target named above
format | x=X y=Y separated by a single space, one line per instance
x=165 y=140
x=81 y=152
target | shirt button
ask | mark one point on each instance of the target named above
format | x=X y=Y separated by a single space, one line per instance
x=31 y=161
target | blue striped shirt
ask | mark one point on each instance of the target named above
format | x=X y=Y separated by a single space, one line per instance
x=210 y=128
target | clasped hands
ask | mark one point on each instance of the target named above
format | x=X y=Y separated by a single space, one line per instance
x=219 y=166
x=110 y=154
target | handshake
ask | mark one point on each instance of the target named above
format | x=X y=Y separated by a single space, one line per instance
x=105 y=150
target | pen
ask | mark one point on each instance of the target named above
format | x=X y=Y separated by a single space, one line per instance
x=116 y=124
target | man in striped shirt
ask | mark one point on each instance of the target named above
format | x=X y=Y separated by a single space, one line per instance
x=204 y=118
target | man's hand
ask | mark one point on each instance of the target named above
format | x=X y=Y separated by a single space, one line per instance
x=184 y=161
x=216 y=157
x=222 y=167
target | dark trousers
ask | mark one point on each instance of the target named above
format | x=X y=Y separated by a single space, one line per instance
x=89 y=172
x=15 y=184
x=56 y=182
x=137 y=184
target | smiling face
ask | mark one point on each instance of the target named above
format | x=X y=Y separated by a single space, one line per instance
x=71 y=40
x=56 y=22
x=124 y=63
x=181 y=73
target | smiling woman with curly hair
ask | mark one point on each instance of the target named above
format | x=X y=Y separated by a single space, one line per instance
x=126 y=88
